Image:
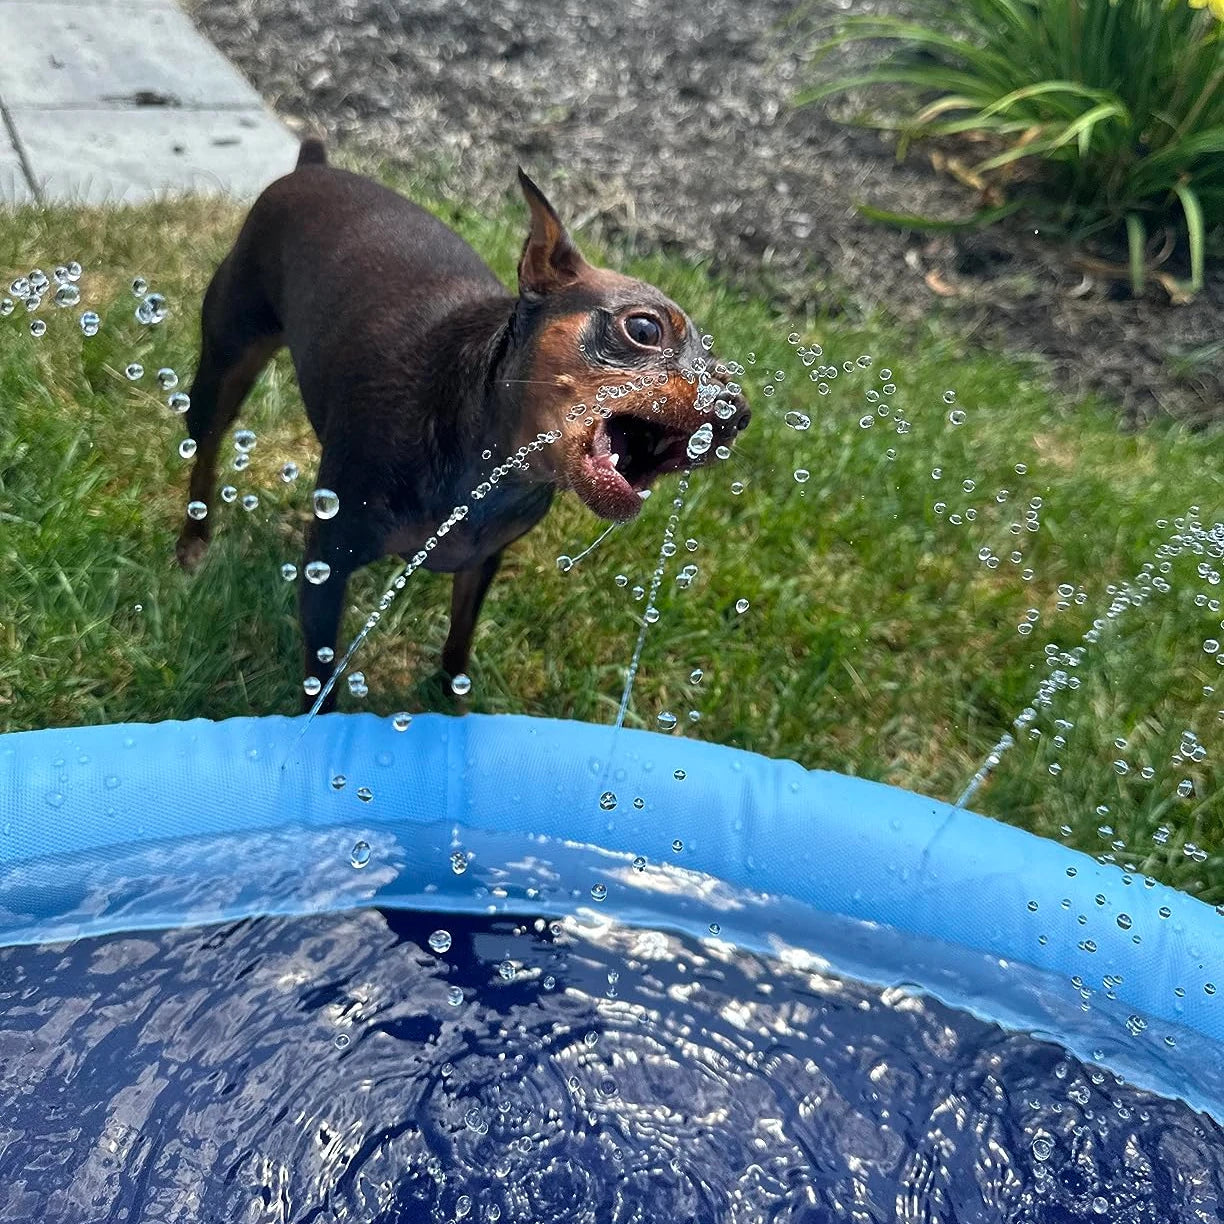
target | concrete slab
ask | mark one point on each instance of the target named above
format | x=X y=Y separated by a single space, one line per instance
x=13 y=186
x=69 y=53
x=127 y=156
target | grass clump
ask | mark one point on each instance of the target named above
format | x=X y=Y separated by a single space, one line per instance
x=880 y=639
x=1116 y=107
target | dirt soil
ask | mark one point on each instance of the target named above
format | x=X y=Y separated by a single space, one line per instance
x=674 y=127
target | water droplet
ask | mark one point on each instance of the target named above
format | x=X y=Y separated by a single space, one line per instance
x=139 y=286
x=801 y=475
x=288 y=571
x=67 y=295
x=244 y=440
x=317 y=572
x=866 y=422
x=1185 y=788
x=507 y=971
x=179 y=402
x=342 y=1041
x=639 y=863
x=1043 y=1148
x=458 y=862
x=167 y=379
x=38 y=328
x=152 y=310
x=565 y=564
x=666 y=720
x=949 y=397
x=701 y=441
x=289 y=473
x=461 y=685
x=440 y=941
x=401 y=721
x=326 y=504
x=249 y=502
x=797 y=420
x=454 y=996
x=741 y=606
x=197 y=510
x=737 y=487
x=312 y=686
x=1125 y=921
x=957 y=417
x=90 y=322
x=696 y=675
x=599 y=892
x=187 y=448
x=360 y=855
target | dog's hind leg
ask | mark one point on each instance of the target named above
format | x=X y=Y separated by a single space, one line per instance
x=239 y=335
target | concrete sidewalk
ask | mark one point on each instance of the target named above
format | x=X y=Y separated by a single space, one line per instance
x=119 y=101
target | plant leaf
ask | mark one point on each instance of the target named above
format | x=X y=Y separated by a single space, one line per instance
x=1136 y=240
x=1196 y=230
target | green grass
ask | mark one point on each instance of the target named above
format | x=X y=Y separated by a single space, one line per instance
x=876 y=642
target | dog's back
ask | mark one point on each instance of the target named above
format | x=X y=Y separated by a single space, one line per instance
x=360 y=281
x=330 y=243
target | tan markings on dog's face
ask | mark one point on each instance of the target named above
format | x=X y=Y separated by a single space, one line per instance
x=626 y=407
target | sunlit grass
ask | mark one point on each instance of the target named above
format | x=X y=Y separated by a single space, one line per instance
x=876 y=641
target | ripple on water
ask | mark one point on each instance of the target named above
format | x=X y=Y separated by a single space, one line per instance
x=273 y=1070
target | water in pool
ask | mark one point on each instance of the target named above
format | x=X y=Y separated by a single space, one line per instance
x=395 y=1067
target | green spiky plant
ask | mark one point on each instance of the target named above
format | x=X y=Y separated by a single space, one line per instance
x=1117 y=104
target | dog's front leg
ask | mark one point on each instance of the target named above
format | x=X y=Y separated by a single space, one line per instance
x=467 y=595
x=344 y=545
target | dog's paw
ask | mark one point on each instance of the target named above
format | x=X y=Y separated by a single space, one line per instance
x=190 y=551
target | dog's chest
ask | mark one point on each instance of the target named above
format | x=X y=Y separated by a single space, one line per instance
x=491 y=523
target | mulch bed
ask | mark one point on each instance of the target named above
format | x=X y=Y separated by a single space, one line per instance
x=673 y=125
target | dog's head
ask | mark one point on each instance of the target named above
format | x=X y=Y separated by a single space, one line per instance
x=619 y=369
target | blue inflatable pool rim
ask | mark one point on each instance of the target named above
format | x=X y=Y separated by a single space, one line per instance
x=105 y=829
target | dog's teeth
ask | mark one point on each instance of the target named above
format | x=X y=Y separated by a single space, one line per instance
x=614 y=459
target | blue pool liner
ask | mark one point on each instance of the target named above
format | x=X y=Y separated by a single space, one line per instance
x=130 y=827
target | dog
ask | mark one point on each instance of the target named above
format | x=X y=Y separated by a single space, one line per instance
x=422 y=376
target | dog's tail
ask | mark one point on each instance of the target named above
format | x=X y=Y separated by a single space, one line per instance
x=312 y=152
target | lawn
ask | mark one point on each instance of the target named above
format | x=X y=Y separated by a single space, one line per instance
x=882 y=635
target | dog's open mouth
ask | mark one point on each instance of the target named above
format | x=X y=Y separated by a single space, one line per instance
x=624 y=454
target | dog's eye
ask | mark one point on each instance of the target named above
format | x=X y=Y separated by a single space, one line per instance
x=644 y=330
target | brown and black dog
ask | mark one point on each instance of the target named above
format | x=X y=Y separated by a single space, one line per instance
x=414 y=363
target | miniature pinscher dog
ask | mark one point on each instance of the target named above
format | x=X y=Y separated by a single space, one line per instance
x=415 y=363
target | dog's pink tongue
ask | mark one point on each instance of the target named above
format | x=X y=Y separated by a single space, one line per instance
x=606 y=491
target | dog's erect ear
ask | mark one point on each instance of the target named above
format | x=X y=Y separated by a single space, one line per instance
x=550 y=260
